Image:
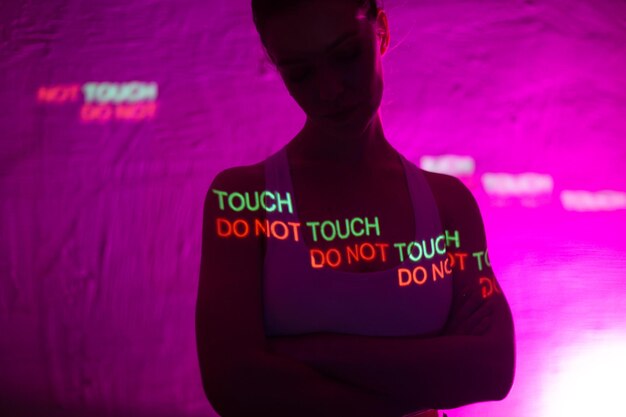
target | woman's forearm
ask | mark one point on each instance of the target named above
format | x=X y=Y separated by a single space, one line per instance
x=270 y=384
x=472 y=360
x=438 y=372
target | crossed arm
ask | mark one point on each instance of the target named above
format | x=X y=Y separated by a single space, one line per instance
x=471 y=360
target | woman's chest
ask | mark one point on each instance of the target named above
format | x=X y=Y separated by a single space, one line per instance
x=360 y=218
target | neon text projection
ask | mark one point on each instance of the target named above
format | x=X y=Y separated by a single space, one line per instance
x=106 y=101
x=430 y=259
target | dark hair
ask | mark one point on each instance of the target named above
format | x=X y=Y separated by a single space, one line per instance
x=262 y=9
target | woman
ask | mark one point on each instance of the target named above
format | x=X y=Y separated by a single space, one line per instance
x=284 y=328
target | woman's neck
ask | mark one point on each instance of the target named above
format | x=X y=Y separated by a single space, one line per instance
x=351 y=150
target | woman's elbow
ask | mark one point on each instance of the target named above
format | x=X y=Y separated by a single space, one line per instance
x=501 y=360
x=218 y=401
x=224 y=396
x=214 y=390
x=504 y=372
x=506 y=382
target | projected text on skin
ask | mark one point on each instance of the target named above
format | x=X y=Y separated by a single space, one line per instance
x=255 y=202
x=430 y=259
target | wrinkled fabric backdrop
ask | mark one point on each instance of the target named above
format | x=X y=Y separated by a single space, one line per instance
x=115 y=116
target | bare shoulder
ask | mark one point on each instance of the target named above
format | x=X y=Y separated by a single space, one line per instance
x=443 y=185
x=234 y=180
x=240 y=178
x=457 y=207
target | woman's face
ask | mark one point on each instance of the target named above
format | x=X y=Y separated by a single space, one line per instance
x=328 y=55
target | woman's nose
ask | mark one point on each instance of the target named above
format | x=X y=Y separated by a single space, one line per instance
x=330 y=84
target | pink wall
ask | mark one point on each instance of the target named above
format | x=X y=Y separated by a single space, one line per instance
x=101 y=194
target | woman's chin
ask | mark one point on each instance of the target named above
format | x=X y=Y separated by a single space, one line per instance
x=355 y=124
